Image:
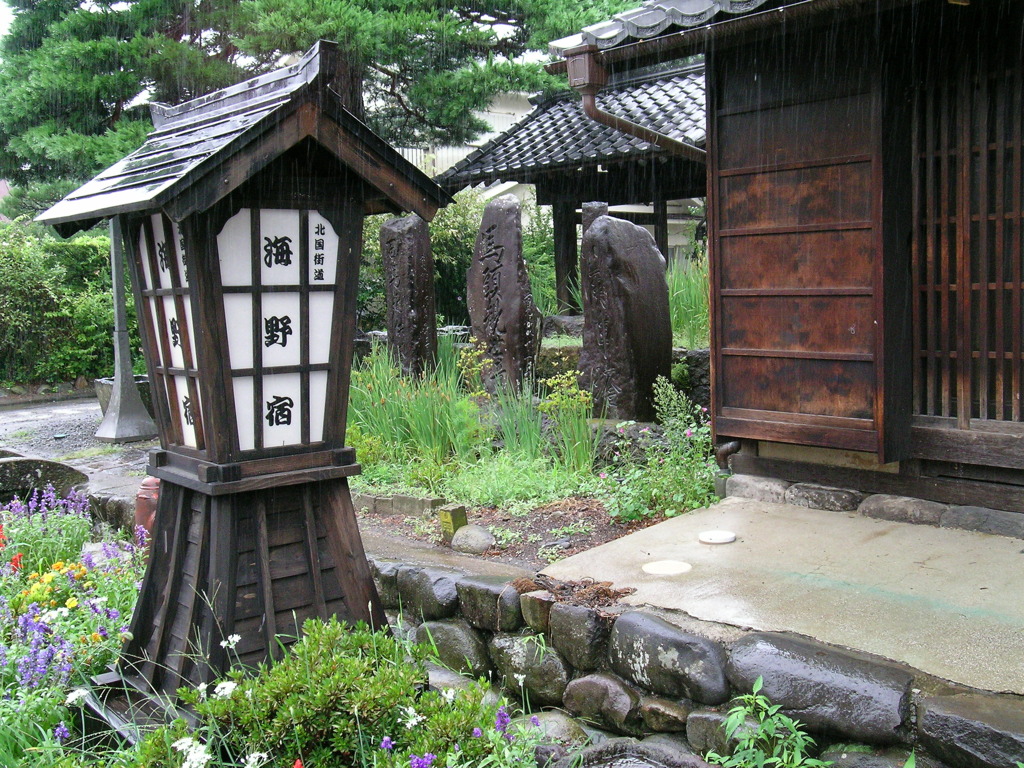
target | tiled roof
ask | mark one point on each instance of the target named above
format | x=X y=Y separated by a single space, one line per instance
x=652 y=19
x=557 y=134
x=191 y=138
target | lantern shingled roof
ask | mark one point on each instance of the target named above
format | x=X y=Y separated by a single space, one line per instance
x=192 y=139
x=651 y=19
x=556 y=135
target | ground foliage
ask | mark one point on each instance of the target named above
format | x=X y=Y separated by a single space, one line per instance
x=63 y=617
x=56 y=307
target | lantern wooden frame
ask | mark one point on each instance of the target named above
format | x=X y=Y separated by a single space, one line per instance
x=251 y=536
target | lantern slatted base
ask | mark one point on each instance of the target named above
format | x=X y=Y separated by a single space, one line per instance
x=253 y=564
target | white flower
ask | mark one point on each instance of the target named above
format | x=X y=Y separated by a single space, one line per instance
x=412 y=718
x=448 y=694
x=195 y=753
x=256 y=759
x=520 y=679
x=201 y=690
x=225 y=689
x=231 y=642
x=75 y=695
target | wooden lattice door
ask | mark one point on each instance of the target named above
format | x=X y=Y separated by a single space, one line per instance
x=968 y=292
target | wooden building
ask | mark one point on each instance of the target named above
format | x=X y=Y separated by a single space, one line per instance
x=866 y=205
x=572 y=159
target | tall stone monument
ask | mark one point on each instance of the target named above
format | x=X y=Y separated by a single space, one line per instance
x=627 y=333
x=409 y=290
x=501 y=309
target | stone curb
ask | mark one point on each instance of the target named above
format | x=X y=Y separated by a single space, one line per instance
x=638 y=673
x=882 y=506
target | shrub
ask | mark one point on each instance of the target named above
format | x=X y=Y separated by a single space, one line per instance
x=675 y=473
x=56 y=307
x=766 y=738
x=345 y=696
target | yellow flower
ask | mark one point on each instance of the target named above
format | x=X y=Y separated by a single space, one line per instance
x=72 y=602
x=53 y=603
x=58 y=566
x=95 y=637
x=47 y=578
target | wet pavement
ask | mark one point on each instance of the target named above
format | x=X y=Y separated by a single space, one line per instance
x=947 y=602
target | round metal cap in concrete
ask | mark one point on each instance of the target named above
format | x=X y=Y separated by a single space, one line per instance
x=666 y=567
x=716 y=537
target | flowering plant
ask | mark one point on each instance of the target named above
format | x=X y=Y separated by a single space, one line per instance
x=674 y=473
x=62 y=616
x=345 y=696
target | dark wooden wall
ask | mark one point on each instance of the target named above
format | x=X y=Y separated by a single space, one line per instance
x=799 y=270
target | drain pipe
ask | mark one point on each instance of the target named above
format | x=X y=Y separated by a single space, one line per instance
x=588 y=76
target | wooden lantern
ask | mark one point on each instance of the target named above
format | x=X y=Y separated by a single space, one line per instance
x=242 y=215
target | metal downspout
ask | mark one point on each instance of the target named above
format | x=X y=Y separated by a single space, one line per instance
x=587 y=76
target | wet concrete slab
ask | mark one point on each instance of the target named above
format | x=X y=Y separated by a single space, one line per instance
x=949 y=603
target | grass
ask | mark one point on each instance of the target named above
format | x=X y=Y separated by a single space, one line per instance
x=21 y=434
x=562 y=341
x=88 y=453
x=688 y=297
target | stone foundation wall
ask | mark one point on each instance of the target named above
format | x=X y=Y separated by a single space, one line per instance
x=633 y=673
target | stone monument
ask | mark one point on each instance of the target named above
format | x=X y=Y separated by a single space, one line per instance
x=409 y=289
x=627 y=333
x=501 y=309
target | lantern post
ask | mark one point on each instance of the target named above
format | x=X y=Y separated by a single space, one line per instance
x=242 y=216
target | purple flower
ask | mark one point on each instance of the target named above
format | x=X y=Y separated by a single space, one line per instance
x=141 y=536
x=535 y=721
x=422 y=762
x=386 y=743
x=477 y=733
x=501 y=720
x=61 y=733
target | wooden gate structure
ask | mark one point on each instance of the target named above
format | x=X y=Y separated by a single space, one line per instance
x=866 y=212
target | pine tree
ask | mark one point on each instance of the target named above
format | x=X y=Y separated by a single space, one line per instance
x=76 y=74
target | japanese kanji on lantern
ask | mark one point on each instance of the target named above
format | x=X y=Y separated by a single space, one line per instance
x=242 y=219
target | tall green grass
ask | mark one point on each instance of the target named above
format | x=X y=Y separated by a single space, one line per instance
x=427 y=418
x=688 y=302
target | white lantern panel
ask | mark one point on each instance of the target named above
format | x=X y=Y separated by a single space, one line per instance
x=147 y=274
x=154 y=323
x=179 y=252
x=234 y=250
x=188 y=411
x=186 y=323
x=244 y=418
x=279 y=247
x=175 y=333
x=282 y=410
x=321 y=316
x=164 y=251
x=317 y=405
x=238 y=318
x=281 y=329
x=323 y=251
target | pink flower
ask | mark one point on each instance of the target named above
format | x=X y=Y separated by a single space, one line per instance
x=603 y=475
x=689 y=433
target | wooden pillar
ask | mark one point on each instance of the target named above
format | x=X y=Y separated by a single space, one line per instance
x=563 y=217
x=661 y=227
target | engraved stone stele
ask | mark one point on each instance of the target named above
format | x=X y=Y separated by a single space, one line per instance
x=504 y=319
x=627 y=334
x=409 y=290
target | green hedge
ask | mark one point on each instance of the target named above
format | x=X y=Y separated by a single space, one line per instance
x=56 y=307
